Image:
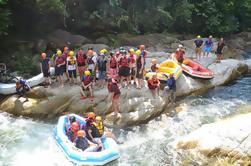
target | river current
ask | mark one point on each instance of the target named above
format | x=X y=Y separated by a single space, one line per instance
x=25 y=142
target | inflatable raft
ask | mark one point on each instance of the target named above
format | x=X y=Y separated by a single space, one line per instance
x=76 y=155
x=196 y=70
x=165 y=69
x=6 y=89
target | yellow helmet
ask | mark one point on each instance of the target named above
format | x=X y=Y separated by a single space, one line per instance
x=98 y=118
x=105 y=51
x=87 y=72
x=131 y=50
x=138 y=52
x=71 y=53
x=102 y=51
x=198 y=36
x=59 y=52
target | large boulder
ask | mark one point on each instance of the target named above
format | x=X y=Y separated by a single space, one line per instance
x=248 y=62
x=61 y=38
x=96 y=47
x=230 y=137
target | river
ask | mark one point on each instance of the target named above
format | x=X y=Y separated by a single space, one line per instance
x=25 y=142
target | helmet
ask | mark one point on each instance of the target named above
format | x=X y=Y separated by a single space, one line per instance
x=180 y=46
x=71 y=53
x=154 y=61
x=87 y=72
x=171 y=74
x=131 y=50
x=72 y=119
x=43 y=55
x=142 y=47
x=66 y=48
x=105 y=51
x=98 y=118
x=59 y=52
x=75 y=126
x=210 y=36
x=91 y=115
x=138 y=52
x=198 y=36
x=102 y=51
x=81 y=133
x=121 y=48
x=123 y=52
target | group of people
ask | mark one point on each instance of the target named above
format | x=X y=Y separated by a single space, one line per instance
x=87 y=135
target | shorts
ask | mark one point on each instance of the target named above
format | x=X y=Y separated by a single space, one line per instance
x=46 y=73
x=207 y=49
x=59 y=71
x=139 y=75
x=101 y=75
x=72 y=73
x=124 y=71
x=198 y=50
x=218 y=52
x=64 y=68
x=81 y=69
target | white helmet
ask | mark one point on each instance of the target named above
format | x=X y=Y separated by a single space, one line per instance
x=180 y=46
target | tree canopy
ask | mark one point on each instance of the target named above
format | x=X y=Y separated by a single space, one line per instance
x=131 y=16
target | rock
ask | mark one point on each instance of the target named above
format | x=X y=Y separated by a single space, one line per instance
x=230 y=137
x=248 y=62
x=102 y=40
x=96 y=47
x=61 y=38
x=41 y=45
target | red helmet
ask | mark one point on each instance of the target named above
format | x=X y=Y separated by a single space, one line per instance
x=66 y=48
x=91 y=115
x=75 y=126
x=142 y=47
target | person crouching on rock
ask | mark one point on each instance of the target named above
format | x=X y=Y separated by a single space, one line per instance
x=86 y=85
x=84 y=144
x=170 y=88
x=154 y=85
x=114 y=94
x=22 y=87
x=154 y=67
x=45 y=69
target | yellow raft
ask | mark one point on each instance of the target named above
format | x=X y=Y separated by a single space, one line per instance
x=166 y=68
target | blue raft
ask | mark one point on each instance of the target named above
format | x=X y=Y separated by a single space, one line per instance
x=79 y=157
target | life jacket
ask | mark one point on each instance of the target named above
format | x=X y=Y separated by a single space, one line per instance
x=87 y=80
x=89 y=60
x=154 y=68
x=152 y=84
x=100 y=127
x=113 y=63
x=132 y=58
x=144 y=54
x=59 y=60
x=72 y=135
x=80 y=60
x=71 y=61
x=113 y=88
x=124 y=62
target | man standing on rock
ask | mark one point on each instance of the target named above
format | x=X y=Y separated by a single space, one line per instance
x=64 y=56
x=45 y=69
x=208 y=46
x=198 y=47
x=219 y=50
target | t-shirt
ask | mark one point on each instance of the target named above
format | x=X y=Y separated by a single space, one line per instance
x=71 y=63
x=220 y=46
x=198 y=43
x=82 y=143
x=91 y=61
x=209 y=43
x=45 y=63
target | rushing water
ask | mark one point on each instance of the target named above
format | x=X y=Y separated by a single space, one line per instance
x=24 y=142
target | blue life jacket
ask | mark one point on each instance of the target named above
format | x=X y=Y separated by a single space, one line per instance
x=171 y=83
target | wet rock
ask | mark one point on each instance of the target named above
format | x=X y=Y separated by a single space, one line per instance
x=61 y=38
x=102 y=40
x=230 y=137
x=96 y=47
x=41 y=45
x=248 y=62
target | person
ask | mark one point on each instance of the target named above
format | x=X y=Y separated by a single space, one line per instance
x=198 y=47
x=113 y=65
x=143 y=51
x=114 y=94
x=86 y=85
x=180 y=53
x=101 y=67
x=124 y=69
x=71 y=67
x=154 y=85
x=154 y=67
x=64 y=56
x=22 y=88
x=84 y=144
x=81 y=62
x=219 y=50
x=45 y=69
x=171 y=87
x=59 y=62
x=132 y=65
x=71 y=119
x=140 y=63
x=92 y=62
x=208 y=45
x=72 y=133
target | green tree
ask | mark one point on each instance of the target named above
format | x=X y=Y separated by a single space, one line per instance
x=4 y=17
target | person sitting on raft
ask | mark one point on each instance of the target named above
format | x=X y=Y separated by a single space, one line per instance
x=72 y=133
x=22 y=88
x=154 y=85
x=154 y=67
x=84 y=144
x=86 y=85
x=180 y=53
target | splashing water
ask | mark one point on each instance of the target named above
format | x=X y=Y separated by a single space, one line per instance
x=24 y=142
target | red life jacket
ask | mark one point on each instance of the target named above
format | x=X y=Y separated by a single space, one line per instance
x=132 y=58
x=87 y=80
x=124 y=62
x=152 y=84
x=59 y=60
x=113 y=88
x=113 y=63
x=80 y=60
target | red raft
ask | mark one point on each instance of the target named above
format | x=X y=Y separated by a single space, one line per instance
x=196 y=70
